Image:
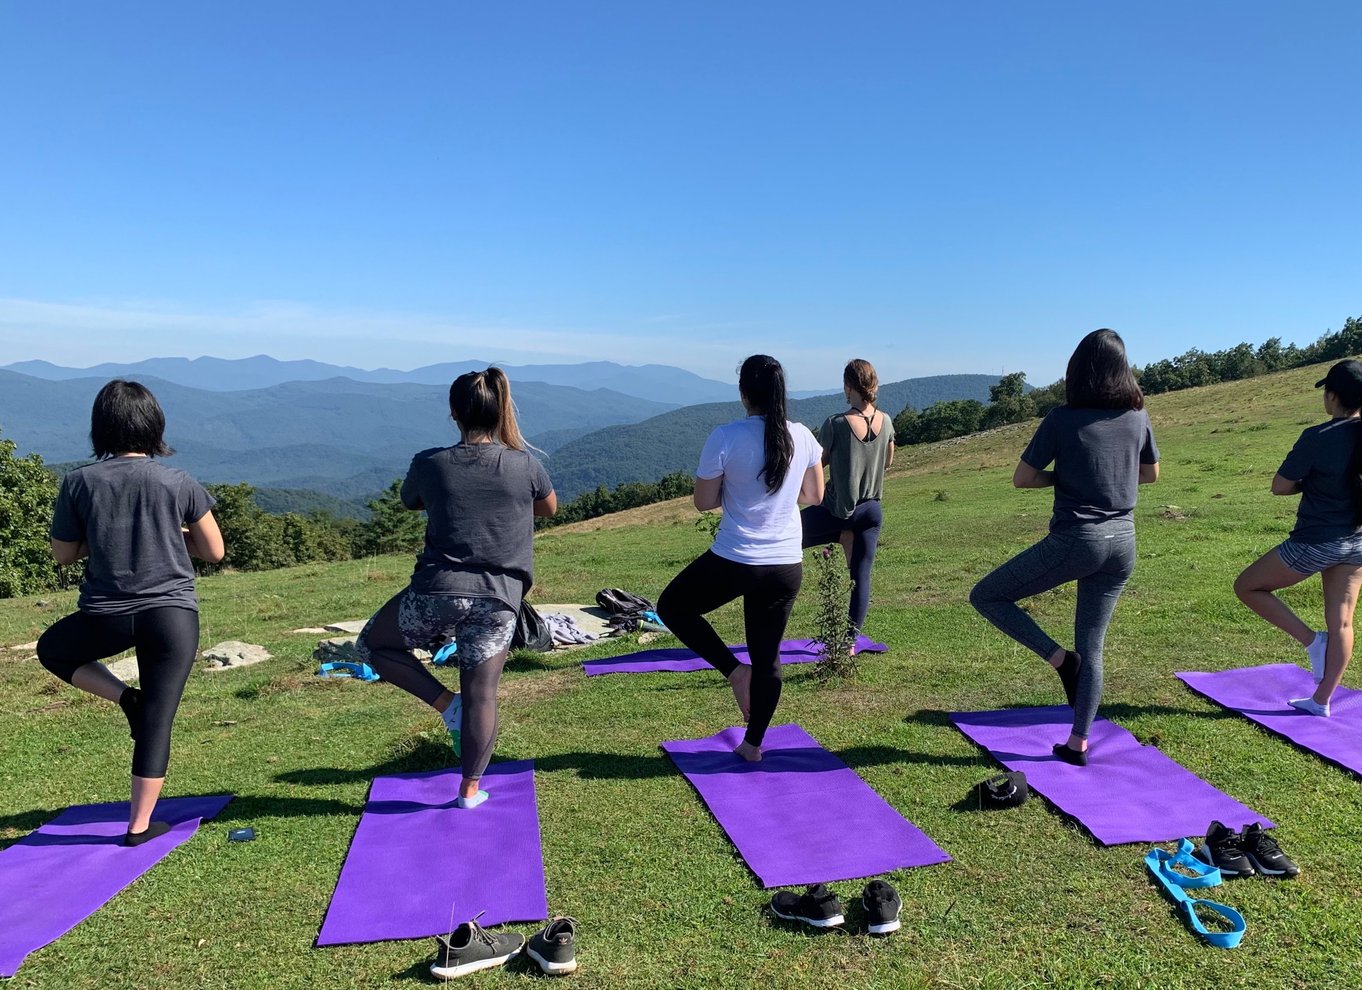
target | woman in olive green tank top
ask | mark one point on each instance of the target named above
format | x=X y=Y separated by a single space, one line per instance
x=858 y=445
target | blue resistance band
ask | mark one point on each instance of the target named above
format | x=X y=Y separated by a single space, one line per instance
x=445 y=654
x=1161 y=863
x=347 y=668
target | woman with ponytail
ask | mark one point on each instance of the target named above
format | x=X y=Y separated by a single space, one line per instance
x=480 y=496
x=759 y=469
x=1325 y=469
x=858 y=446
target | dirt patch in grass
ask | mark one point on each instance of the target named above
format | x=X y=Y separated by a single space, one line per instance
x=533 y=688
x=657 y=514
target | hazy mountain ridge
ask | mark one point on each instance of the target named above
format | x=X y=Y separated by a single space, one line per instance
x=653 y=382
x=347 y=439
x=671 y=441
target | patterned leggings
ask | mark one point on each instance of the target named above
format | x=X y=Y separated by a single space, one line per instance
x=482 y=627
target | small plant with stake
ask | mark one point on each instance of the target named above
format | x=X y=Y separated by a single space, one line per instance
x=834 y=637
x=708 y=523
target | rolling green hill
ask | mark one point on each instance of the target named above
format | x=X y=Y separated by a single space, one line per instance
x=648 y=450
x=1028 y=901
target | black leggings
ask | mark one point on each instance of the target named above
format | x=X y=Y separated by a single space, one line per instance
x=165 y=639
x=821 y=527
x=768 y=592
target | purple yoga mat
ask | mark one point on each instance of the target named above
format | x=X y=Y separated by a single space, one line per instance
x=801 y=815
x=681 y=660
x=419 y=866
x=1260 y=695
x=53 y=879
x=1126 y=793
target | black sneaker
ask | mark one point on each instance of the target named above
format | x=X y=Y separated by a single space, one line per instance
x=882 y=904
x=554 y=947
x=817 y=906
x=1224 y=850
x=471 y=948
x=1265 y=855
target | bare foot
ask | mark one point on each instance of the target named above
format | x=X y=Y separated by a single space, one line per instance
x=750 y=753
x=741 y=682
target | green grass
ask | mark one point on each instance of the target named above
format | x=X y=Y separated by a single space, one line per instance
x=1029 y=900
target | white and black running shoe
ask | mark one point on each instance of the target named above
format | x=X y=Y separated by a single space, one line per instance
x=1264 y=853
x=470 y=948
x=1224 y=849
x=817 y=906
x=554 y=947
x=881 y=903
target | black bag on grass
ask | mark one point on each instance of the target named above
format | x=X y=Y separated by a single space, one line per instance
x=1006 y=790
x=531 y=632
x=617 y=601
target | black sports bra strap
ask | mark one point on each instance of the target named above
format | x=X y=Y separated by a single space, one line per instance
x=870 y=434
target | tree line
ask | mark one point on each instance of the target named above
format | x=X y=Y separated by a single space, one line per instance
x=257 y=540
x=261 y=540
x=1010 y=403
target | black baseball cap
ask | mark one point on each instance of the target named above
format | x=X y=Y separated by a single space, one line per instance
x=1345 y=381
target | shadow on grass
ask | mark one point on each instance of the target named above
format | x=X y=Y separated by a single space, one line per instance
x=428 y=755
x=1114 y=711
x=874 y=756
x=251 y=808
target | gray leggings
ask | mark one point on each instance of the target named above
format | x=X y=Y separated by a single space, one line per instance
x=1100 y=557
x=483 y=628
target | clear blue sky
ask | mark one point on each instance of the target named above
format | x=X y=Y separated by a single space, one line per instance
x=937 y=187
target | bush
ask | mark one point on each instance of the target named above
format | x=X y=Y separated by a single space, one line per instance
x=27 y=493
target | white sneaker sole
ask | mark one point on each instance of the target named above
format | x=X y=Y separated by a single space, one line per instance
x=454 y=972
x=884 y=929
x=552 y=968
x=836 y=921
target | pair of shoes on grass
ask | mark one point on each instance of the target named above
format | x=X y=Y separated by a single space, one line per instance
x=1243 y=854
x=818 y=906
x=470 y=948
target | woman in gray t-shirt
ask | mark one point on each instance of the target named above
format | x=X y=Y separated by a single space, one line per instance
x=480 y=496
x=1325 y=469
x=136 y=522
x=1102 y=449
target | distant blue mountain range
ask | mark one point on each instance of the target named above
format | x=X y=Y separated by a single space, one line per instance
x=656 y=382
x=338 y=436
x=350 y=438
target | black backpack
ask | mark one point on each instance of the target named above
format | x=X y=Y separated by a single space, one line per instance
x=617 y=601
x=531 y=632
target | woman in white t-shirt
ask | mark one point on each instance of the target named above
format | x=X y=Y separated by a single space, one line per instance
x=759 y=469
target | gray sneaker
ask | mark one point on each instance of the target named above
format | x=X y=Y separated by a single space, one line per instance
x=470 y=948
x=554 y=947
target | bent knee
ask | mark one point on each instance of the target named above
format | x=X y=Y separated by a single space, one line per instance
x=667 y=606
x=981 y=595
x=1245 y=586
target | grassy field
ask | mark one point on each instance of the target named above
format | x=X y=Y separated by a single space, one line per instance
x=664 y=901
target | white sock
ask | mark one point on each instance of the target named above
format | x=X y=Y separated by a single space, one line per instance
x=473 y=802
x=453 y=715
x=1316 y=653
x=1310 y=706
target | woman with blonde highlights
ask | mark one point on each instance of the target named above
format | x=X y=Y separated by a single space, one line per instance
x=480 y=496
